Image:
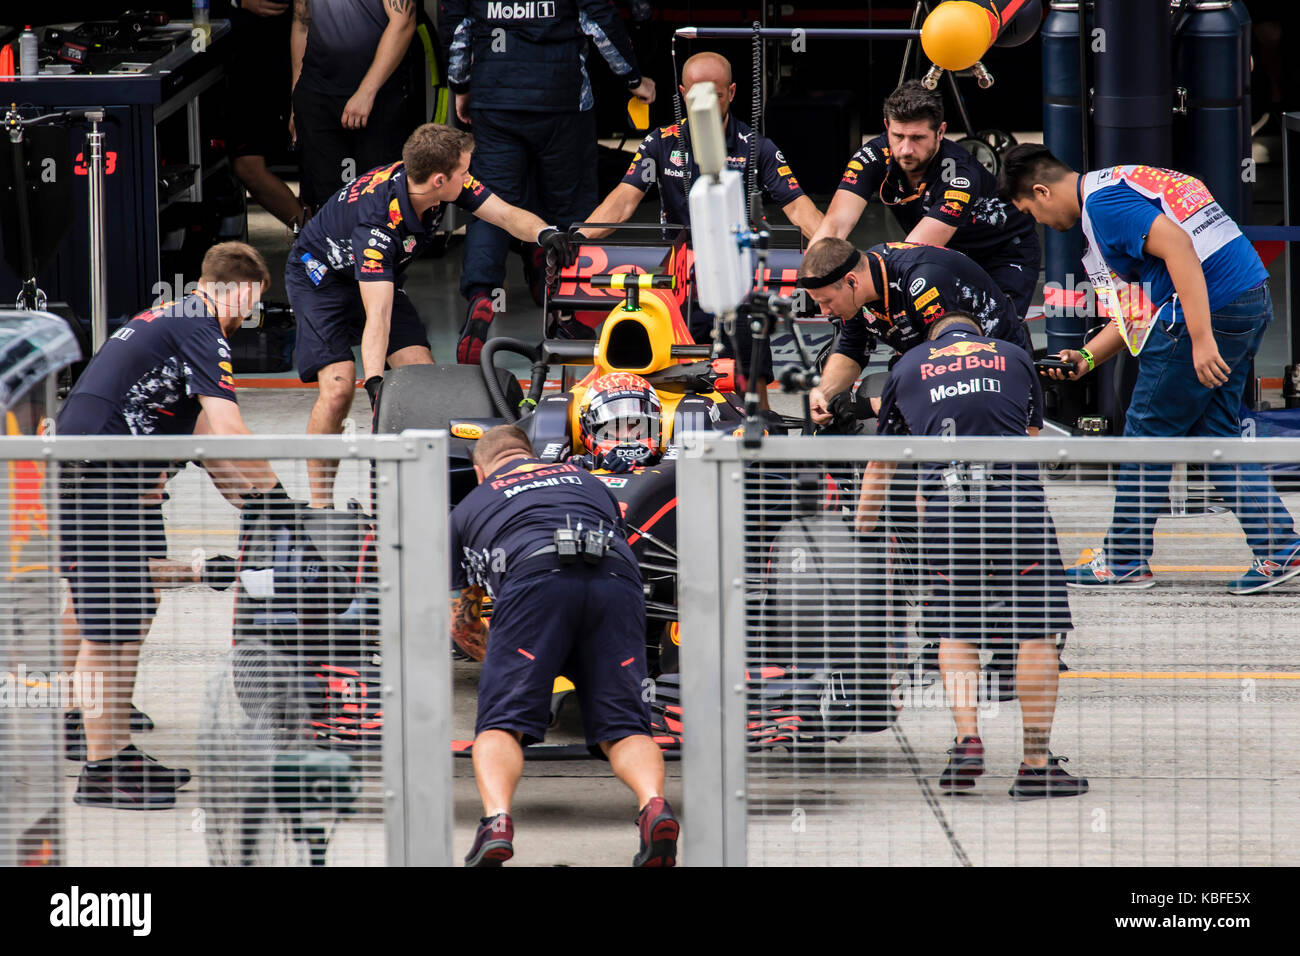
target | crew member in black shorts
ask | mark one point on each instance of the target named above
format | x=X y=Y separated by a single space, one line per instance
x=345 y=272
x=166 y=372
x=939 y=194
x=988 y=538
x=893 y=293
x=584 y=618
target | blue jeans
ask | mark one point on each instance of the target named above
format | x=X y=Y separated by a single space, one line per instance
x=1168 y=401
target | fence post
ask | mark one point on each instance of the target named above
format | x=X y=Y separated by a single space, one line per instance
x=711 y=595
x=414 y=585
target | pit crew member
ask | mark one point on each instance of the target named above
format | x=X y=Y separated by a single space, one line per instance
x=665 y=157
x=892 y=293
x=519 y=73
x=165 y=372
x=554 y=612
x=348 y=264
x=938 y=193
x=988 y=538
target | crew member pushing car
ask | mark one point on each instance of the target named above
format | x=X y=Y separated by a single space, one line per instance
x=545 y=542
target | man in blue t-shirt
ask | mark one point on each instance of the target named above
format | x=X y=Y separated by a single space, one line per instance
x=1187 y=293
x=584 y=618
x=166 y=372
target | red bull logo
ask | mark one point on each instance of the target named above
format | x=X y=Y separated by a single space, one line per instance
x=963 y=348
x=378 y=177
x=965 y=356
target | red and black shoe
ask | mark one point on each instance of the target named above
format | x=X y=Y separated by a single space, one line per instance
x=965 y=763
x=478 y=319
x=493 y=843
x=1033 y=783
x=658 y=828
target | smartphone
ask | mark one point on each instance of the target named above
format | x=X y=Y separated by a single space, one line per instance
x=1054 y=364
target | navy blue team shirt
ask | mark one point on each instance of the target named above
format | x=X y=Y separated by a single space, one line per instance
x=148 y=377
x=955 y=190
x=919 y=284
x=368 y=231
x=665 y=156
x=963 y=383
x=515 y=511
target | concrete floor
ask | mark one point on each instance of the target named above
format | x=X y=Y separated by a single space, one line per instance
x=1184 y=770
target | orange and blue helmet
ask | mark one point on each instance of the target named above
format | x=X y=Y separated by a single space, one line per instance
x=619 y=418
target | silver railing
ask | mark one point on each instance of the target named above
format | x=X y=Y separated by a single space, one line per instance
x=823 y=665
x=308 y=697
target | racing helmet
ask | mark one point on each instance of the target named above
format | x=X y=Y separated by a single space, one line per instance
x=619 y=417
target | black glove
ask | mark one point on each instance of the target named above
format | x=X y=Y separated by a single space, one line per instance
x=374 y=385
x=265 y=503
x=607 y=462
x=558 y=246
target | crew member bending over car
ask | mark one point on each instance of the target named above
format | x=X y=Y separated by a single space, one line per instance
x=990 y=545
x=349 y=262
x=892 y=293
x=165 y=372
x=546 y=543
x=938 y=193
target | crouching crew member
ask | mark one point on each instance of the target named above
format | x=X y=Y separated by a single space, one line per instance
x=989 y=541
x=892 y=293
x=344 y=274
x=545 y=542
x=166 y=372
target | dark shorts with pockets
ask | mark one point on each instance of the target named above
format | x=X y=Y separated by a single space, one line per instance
x=330 y=319
x=586 y=623
x=106 y=538
x=994 y=568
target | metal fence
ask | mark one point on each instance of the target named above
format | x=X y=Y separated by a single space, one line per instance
x=296 y=668
x=824 y=666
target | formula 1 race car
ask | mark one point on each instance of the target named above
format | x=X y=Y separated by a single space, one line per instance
x=637 y=297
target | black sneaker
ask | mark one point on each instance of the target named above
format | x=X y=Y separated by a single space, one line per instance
x=128 y=782
x=218 y=572
x=493 y=843
x=74 y=732
x=965 y=763
x=1032 y=783
x=141 y=764
x=658 y=828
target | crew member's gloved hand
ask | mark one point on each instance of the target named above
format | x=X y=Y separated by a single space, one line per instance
x=373 y=386
x=560 y=253
x=614 y=463
x=266 y=503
